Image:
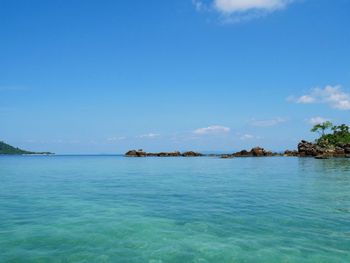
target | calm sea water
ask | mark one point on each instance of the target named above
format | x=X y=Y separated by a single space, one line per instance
x=116 y=209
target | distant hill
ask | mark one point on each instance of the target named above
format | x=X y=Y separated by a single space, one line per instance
x=8 y=149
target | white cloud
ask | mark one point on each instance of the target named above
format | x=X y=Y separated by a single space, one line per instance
x=267 y=123
x=334 y=96
x=233 y=6
x=317 y=120
x=245 y=137
x=198 y=4
x=149 y=135
x=241 y=10
x=55 y=141
x=114 y=139
x=305 y=99
x=215 y=129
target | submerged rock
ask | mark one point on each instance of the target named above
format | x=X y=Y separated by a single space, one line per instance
x=321 y=157
x=227 y=156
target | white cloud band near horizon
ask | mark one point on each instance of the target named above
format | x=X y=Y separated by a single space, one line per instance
x=149 y=135
x=334 y=96
x=214 y=129
x=267 y=123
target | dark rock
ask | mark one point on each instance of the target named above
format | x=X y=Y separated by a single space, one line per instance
x=191 y=154
x=134 y=153
x=227 y=156
x=258 y=152
x=338 y=151
x=243 y=153
x=167 y=154
x=308 y=149
x=291 y=153
x=141 y=153
x=321 y=157
x=255 y=152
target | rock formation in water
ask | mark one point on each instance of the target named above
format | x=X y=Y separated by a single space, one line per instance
x=289 y=153
x=191 y=154
x=141 y=153
x=305 y=149
x=255 y=152
x=308 y=149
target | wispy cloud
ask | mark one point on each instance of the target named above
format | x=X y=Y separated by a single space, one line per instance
x=246 y=137
x=305 y=99
x=215 y=129
x=115 y=139
x=267 y=123
x=149 y=135
x=334 y=96
x=233 y=6
x=55 y=141
x=199 y=5
x=317 y=120
x=241 y=10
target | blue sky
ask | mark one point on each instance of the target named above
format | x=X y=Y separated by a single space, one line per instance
x=105 y=76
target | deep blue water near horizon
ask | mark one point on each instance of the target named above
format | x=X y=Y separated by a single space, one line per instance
x=116 y=209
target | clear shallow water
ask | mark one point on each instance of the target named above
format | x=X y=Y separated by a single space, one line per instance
x=115 y=209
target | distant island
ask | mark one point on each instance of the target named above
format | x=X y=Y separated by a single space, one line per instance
x=6 y=149
x=328 y=145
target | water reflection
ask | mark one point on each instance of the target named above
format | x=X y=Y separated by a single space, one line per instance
x=329 y=166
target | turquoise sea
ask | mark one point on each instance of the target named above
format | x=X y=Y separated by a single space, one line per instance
x=117 y=209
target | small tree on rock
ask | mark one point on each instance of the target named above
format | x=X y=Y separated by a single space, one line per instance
x=322 y=127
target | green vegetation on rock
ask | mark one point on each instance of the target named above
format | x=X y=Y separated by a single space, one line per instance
x=339 y=135
x=10 y=150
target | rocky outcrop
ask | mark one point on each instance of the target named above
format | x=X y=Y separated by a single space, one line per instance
x=259 y=152
x=136 y=153
x=308 y=149
x=191 y=154
x=345 y=147
x=141 y=153
x=255 y=152
x=164 y=154
x=243 y=153
x=289 y=153
x=305 y=149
